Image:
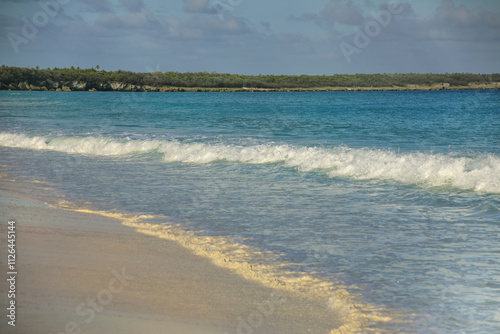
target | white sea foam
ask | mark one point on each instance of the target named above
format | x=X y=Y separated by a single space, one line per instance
x=479 y=173
x=80 y=145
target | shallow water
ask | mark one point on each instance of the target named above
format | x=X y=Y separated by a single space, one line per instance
x=397 y=193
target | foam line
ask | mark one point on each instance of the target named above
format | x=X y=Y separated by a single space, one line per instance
x=262 y=267
x=480 y=173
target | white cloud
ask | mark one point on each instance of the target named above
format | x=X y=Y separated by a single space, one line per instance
x=130 y=35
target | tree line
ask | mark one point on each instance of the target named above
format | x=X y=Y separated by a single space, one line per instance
x=37 y=76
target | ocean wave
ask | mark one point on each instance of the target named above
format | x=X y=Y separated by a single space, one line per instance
x=479 y=173
x=80 y=145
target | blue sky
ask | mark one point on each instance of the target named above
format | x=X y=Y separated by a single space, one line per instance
x=254 y=36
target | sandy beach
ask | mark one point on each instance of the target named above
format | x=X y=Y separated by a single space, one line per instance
x=85 y=273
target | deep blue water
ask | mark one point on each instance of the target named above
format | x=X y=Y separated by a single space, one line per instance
x=397 y=193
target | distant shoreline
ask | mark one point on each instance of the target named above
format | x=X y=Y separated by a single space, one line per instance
x=94 y=79
x=120 y=87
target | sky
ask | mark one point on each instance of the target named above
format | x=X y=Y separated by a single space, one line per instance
x=293 y=37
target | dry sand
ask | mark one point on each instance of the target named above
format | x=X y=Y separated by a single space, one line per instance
x=85 y=273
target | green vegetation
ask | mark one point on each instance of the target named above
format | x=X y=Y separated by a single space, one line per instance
x=13 y=76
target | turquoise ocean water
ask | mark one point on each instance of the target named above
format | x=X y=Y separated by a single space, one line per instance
x=397 y=193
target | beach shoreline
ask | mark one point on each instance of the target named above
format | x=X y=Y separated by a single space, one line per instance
x=83 y=271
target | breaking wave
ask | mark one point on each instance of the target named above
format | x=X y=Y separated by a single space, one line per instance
x=479 y=173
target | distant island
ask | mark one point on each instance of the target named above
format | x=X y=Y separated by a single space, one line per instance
x=94 y=79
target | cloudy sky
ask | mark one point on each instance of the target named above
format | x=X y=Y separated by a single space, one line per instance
x=254 y=36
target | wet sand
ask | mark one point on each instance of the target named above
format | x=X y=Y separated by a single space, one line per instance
x=85 y=273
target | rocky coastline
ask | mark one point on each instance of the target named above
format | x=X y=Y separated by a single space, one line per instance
x=68 y=86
